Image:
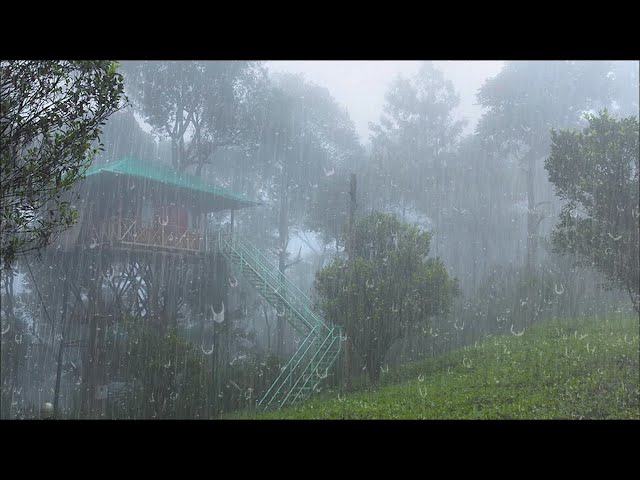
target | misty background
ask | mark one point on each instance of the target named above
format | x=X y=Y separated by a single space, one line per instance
x=452 y=154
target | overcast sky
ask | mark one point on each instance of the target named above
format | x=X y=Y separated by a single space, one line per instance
x=361 y=85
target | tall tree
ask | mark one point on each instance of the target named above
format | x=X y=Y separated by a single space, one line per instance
x=416 y=133
x=391 y=287
x=306 y=137
x=200 y=106
x=525 y=101
x=596 y=171
x=51 y=115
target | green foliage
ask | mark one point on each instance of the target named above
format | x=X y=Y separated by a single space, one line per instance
x=417 y=132
x=529 y=98
x=390 y=287
x=51 y=114
x=200 y=106
x=307 y=145
x=596 y=172
x=164 y=375
x=307 y=135
x=562 y=370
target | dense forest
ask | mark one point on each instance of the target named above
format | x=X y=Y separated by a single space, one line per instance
x=207 y=239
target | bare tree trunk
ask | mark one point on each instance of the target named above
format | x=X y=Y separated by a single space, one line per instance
x=9 y=376
x=266 y=319
x=283 y=242
x=531 y=214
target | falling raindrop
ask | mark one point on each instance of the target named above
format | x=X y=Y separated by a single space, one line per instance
x=217 y=317
x=561 y=291
x=517 y=334
x=233 y=281
x=615 y=239
x=206 y=352
x=423 y=394
x=330 y=172
x=370 y=284
x=421 y=378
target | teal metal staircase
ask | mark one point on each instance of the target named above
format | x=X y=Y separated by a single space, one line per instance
x=319 y=349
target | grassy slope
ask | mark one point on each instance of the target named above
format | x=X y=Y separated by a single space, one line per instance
x=559 y=370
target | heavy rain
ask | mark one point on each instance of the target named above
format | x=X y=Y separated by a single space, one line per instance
x=320 y=240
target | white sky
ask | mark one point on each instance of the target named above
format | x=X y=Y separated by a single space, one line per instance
x=361 y=85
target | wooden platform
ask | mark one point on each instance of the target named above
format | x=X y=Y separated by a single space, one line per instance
x=131 y=233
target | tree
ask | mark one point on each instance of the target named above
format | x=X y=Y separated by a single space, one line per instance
x=200 y=106
x=390 y=288
x=51 y=113
x=596 y=172
x=416 y=133
x=525 y=101
x=306 y=137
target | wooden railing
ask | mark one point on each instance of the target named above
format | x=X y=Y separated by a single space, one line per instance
x=128 y=231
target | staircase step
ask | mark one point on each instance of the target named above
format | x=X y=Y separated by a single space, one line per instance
x=314 y=355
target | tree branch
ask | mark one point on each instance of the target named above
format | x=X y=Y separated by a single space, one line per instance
x=297 y=260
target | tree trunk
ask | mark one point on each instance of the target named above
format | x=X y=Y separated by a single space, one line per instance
x=63 y=327
x=531 y=215
x=351 y=247
x=283 y=241
x=373 y=366
x=174 y=154
x=10 y=354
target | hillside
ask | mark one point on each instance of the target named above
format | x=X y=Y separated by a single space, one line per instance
x=586 y=369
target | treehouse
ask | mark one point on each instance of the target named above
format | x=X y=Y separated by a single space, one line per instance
x=143 y=206
x=138 y=224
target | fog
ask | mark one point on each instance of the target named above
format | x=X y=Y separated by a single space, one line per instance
x=254 y=237
x=361 y=85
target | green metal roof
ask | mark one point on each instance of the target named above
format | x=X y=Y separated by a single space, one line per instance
x=165 y=174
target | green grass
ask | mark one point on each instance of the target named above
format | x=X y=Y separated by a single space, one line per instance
x=585 y=369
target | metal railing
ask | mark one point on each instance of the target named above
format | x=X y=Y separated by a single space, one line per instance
x=320 y=347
